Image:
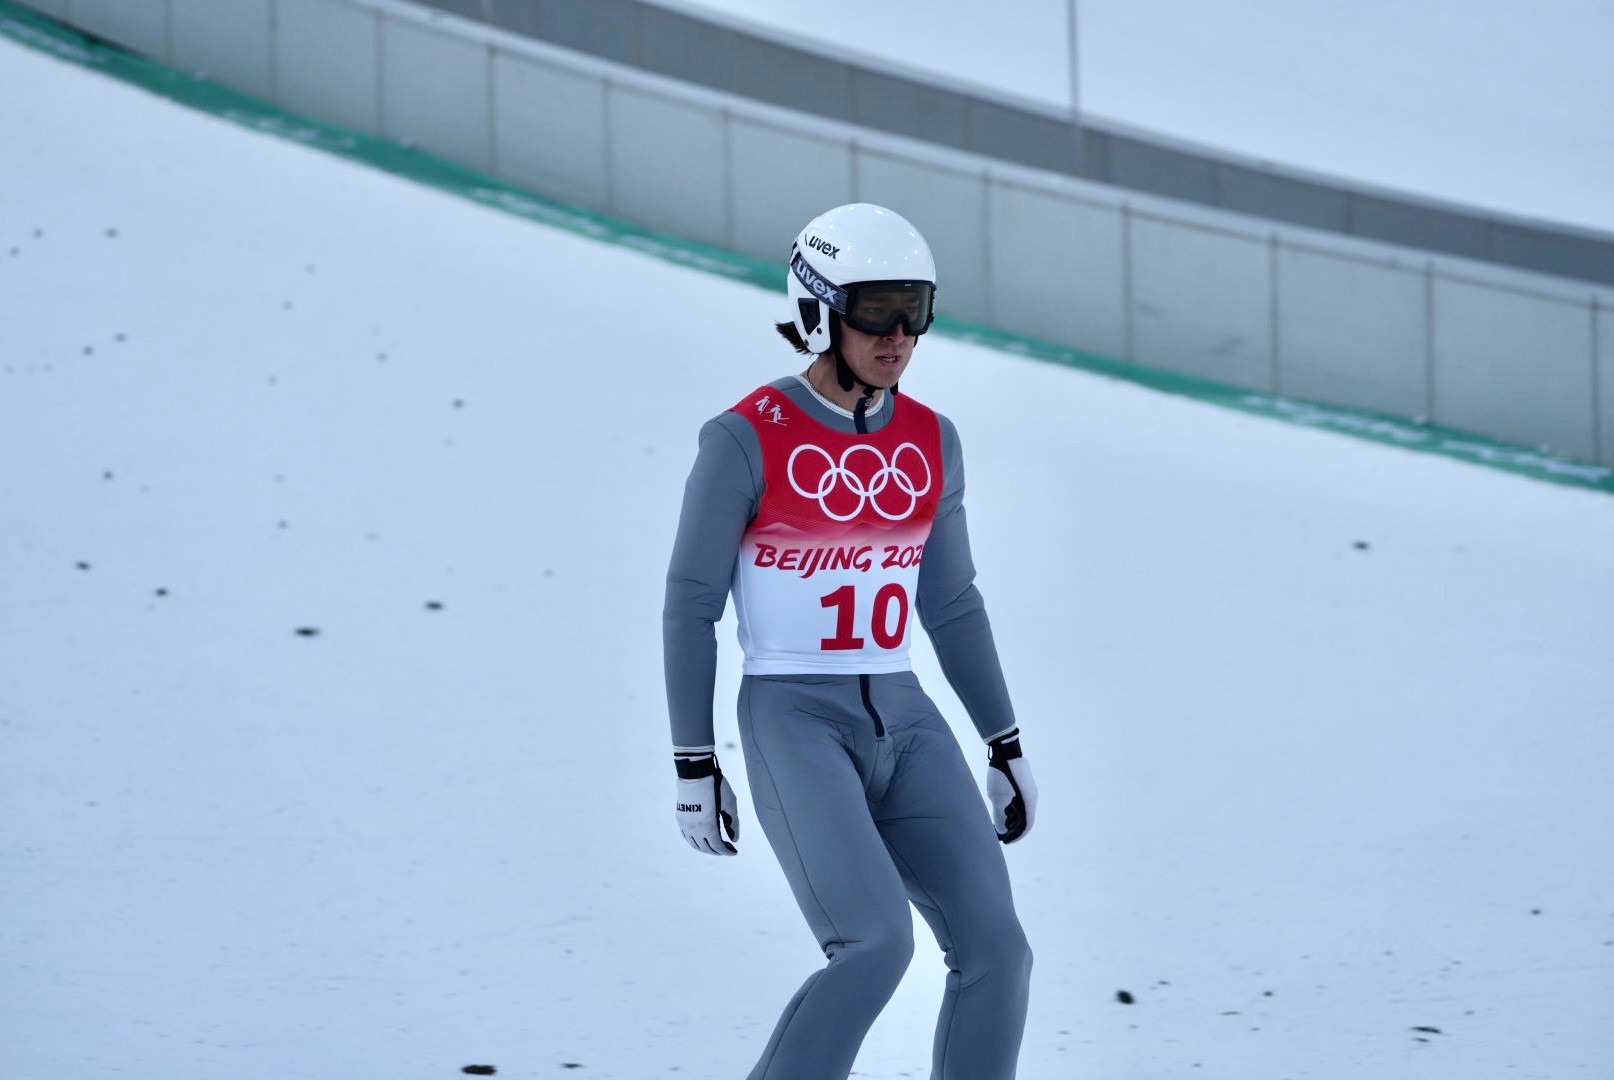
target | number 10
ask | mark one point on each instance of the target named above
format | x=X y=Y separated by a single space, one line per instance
x=887 y=632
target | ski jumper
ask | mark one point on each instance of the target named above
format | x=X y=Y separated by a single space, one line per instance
x=830 y=541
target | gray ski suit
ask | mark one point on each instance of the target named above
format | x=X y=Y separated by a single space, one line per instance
x=863 y=792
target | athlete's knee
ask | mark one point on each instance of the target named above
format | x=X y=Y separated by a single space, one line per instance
x=1018 y=954
x=999 y=951
x=1009 y=950
x=891 y=950
x=880 y=957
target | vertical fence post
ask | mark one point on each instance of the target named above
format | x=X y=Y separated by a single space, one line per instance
x=1429 y=385
x=1275 y=343
x=1603 y=453
x=1129 y=349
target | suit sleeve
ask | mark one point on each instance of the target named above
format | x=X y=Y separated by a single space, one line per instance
x=720 y=499
x=951 y=609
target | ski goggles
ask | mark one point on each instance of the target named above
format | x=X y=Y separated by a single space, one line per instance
x=874 y=307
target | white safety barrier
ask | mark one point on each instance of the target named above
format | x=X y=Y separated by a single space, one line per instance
x=1523 y=357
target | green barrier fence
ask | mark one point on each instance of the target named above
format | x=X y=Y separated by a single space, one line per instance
x=38 y=31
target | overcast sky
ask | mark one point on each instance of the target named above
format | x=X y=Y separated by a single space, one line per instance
x=1498 y=105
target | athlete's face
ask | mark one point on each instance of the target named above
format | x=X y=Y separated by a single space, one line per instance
x=878 y=360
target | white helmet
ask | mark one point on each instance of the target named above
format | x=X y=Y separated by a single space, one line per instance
x=867 y=264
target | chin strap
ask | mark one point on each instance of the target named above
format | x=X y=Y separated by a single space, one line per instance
x=846 y=381
x=860 y=421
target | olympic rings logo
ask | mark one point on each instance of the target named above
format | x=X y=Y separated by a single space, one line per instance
x=858 y=491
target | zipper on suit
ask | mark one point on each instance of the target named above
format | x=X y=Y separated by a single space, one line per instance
x=860 y=422
x=868 y=703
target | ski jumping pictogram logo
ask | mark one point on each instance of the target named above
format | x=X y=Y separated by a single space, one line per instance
x=772 y=413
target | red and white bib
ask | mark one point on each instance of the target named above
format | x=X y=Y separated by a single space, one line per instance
x=828 y=571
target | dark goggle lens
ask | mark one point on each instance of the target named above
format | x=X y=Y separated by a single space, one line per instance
x=877 y=308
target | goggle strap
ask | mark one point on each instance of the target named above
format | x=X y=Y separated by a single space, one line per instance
x=816 y=283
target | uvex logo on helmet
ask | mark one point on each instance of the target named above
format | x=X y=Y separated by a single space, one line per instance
x=823 y=245
x=825 y=290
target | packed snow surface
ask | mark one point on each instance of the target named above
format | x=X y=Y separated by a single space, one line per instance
x=333 y=519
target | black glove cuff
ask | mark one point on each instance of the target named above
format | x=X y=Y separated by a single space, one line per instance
x=1005 y=747
x=696 y=767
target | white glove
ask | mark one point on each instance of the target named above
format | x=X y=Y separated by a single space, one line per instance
x=1010 y=788
x=706 y=804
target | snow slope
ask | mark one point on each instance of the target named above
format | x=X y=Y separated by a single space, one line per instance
x=1321 y=727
